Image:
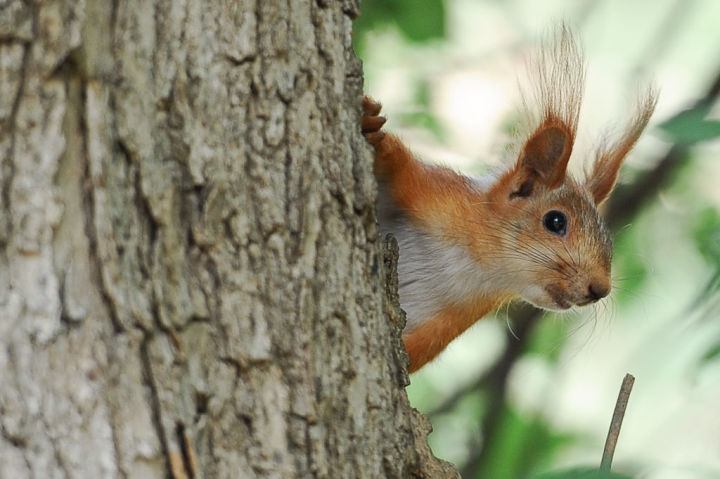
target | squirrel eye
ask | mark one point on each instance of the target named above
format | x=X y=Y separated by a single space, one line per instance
x=555 y=222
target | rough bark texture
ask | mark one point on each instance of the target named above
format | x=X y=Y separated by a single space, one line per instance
x=191 y=283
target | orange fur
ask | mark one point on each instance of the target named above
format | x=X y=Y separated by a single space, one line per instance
x=432 y=193
x=432 y=337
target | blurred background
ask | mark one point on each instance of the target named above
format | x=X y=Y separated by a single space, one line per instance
x=523 y=394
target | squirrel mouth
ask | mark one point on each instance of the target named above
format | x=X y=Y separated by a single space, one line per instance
x=562 y=304
x=557 y=297
x=586 y=302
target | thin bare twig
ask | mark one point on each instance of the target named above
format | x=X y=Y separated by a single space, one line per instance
x=616 y=422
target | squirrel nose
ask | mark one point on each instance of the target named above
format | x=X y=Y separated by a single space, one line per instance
x=598 y=290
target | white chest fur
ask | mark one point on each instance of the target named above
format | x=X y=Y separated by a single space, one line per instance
x=432 y=274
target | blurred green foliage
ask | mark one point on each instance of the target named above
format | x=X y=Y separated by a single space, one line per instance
x=417 y=20
x=707 y=235
x=526 y=442
x=423 y=117
x=548 y=339
x=581 y=474
x=692 y=126
x=630 y=269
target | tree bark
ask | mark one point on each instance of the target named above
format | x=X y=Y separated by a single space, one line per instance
x=191 y=283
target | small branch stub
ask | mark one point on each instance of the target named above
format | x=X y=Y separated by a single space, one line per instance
x=616 y=422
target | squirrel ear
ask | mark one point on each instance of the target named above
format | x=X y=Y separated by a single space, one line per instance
x=545 y=155
x=605 y=171
x=609 y=157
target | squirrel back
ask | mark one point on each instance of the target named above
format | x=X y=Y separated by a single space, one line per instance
x=468 y=245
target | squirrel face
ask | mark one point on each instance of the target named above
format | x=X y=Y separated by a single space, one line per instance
x=556 y=245
x=557 y=249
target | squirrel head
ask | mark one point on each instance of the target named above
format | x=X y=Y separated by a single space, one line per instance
x=556 y=247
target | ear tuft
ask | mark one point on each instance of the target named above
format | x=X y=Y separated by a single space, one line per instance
x=609 y=156
x=558 y=77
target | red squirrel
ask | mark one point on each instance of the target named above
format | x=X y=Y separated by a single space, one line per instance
x=468 y=245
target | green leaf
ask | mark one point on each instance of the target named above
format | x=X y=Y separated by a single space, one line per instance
x=581 y=473
x=418 y=20
x=691 y=126
x=421 y=20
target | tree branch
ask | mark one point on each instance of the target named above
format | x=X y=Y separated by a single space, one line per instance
x=616 y=422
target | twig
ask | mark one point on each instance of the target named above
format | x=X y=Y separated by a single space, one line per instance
x=616 y=422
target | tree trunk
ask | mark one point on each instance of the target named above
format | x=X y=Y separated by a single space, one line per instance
x=191 y=283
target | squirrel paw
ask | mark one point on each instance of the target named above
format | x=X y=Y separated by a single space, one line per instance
x=372 y=122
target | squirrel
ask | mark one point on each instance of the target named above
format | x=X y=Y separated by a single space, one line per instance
x=468 y=245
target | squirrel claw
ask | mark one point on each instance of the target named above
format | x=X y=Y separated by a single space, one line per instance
x=372 y=122
x=371 y=107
